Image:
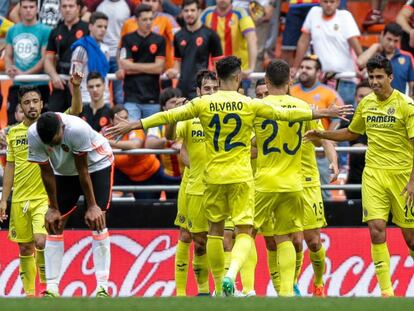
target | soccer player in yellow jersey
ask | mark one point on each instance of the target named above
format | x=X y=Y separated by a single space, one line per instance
x=192 y=134
x=227 y=119
x=29 y=199
x=387 y=118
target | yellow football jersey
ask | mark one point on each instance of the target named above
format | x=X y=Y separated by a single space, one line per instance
x=389 y=125
x=191 y=131
x=310 y=172
x=27 y=183
x=279 y=149
x=227 y=119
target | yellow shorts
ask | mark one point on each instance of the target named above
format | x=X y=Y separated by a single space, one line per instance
x=313 y=210
x=381 y=191
x=287 y=209
x=26 y=219
x=230 y=200
x=268 y=227
x=197 y=221
x=182 y=212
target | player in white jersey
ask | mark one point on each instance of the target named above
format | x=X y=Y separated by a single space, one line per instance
x=74 y=160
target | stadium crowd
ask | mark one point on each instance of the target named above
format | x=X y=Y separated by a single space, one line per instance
x=163 y=53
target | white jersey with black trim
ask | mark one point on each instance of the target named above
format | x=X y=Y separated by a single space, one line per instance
x=78 y=138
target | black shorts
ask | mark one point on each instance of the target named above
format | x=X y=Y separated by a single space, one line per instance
x=68 y=189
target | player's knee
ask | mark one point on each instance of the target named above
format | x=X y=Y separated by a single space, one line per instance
x=378 y=233
x=270 y=243
x=297 y=241
x=40 y=241
x=185 y=236
x=314 y=244
x=26 y=249
x=200 y=243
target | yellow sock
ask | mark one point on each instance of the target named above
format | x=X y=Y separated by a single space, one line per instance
x=381 y=259
x=248 y=270
x=200 y=267
x=227 y=260
x=181 y=267
x=215 y=255
x=318 y=264
x=239 y=254
x=286 y=257
x=40 y=264
x=298 y=267
x=273 y=269
x=27 y=271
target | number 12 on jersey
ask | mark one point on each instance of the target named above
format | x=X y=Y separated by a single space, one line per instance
x=228 y=143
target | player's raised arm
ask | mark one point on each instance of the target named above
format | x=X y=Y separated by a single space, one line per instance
x=76 y=105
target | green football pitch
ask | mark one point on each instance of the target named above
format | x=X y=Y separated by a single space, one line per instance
x=201 y=304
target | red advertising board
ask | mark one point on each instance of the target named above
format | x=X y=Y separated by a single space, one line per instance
x=143 y=265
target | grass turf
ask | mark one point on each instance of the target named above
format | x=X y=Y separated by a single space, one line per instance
x=205 y=303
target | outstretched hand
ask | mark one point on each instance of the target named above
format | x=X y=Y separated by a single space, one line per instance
x=312 y=135
x=340 y=111
x=121 y=128
x=76 y=78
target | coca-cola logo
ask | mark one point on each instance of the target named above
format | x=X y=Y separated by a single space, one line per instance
x=143 y=265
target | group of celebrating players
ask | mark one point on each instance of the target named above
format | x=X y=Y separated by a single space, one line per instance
x=251 y=168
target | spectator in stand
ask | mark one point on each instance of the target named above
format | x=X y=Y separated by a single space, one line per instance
x=134 y=169
x=5 y=25
x=25 y=52
x=4 y=7
x=194 y=46
x=298 y=10
x=90 y=54
x=406 y=20
x=157 y=139
x=334 y=35
x=318 y=95
x=357 y=160
x=117 y=11
x=59 y=53
x=401 y=61
x=261 y=89
x=374 y=16
x=96 y=112
x=237 y=33
x=142 y=60
x=163 y=24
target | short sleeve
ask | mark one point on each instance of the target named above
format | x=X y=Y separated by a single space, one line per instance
x=137 y=135
x=314 y=125
x=180 y=129
x=51 y=43
x=79 y=56
x=9 y=36
x=161 y=48
x=410 y=119
x=177 y=51
x=37 y=151
x=358 y=124
x=246 y=23
x=215 y=49
x=307 y=24
x=351 y=29
x=154 y=132
x=79 y=138
x=9 y=150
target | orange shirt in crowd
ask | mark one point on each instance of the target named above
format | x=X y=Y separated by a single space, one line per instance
x=137 y=167
x=320 y=95
x=164 y=25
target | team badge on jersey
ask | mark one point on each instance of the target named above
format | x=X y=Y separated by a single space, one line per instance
x=401 y=60
x=79 y=34
x=199 y=41
x=153 y=48
x=183 y=43
x=65 y=148
x=391 y=111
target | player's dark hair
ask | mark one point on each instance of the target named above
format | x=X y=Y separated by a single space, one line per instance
x=278 y=72
x=394 y=29
x=228 y=66
x=23 y=90
x=47 y=126
x=190 y=2
x=379 y=62
x=78 y=2
x=205 y=74
x=260 y=82
x=115 y=109
x=95 y=16
x=94 y=75
x=363 y=83
x=20 y=1
x=167 y=94
x=142 y=8
x=318 y=64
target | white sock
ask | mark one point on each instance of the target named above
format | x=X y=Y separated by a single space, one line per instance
x=54 y=250
x=101 y=248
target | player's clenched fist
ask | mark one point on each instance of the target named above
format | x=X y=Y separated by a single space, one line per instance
x=53 y=221
x=95 y=218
